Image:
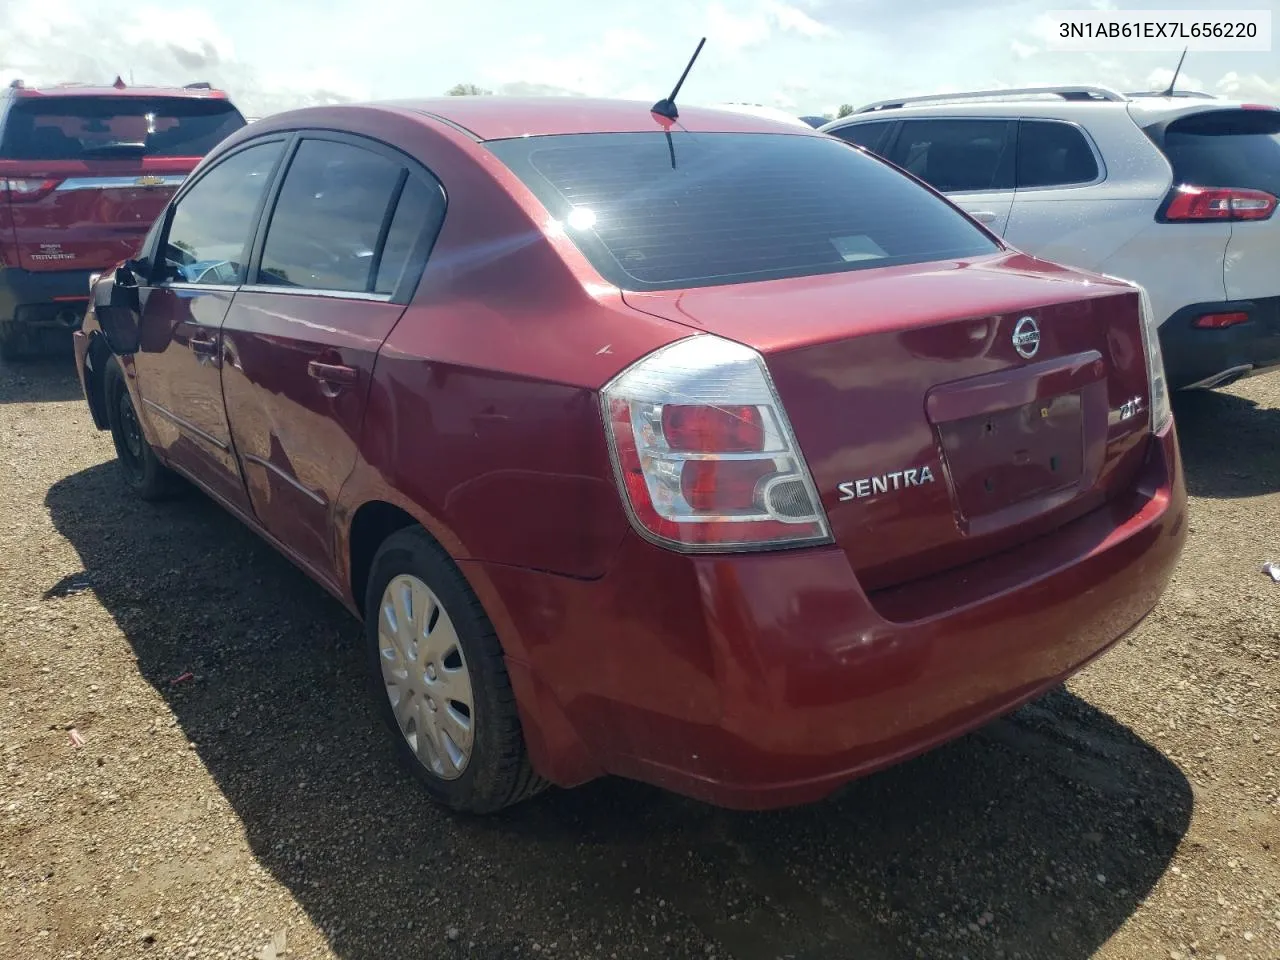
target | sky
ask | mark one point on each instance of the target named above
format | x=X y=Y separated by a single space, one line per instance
x=804 y=56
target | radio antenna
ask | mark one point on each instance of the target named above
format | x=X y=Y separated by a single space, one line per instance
x=1176 y=70
x=667 y=108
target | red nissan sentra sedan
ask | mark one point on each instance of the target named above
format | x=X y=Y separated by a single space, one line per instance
x=716 y=454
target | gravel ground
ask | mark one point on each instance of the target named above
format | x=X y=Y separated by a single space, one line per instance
x=233 y=793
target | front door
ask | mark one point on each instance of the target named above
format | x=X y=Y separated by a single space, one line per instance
x=971 y=161
x=196 y=273
x=334 y=272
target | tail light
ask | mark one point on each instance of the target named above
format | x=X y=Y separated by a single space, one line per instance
x=704 y=454
x=26 y=190
x=1157 y=385
x=1217 y=204
x=1220 y=321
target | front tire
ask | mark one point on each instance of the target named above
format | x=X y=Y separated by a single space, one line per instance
x=439 y=681
x=143 y=472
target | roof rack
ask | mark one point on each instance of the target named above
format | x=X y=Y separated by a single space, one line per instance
x=198 y=85
x=1085 y=92
x=1192 y=94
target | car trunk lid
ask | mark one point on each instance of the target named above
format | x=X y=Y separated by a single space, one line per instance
x=946 y=412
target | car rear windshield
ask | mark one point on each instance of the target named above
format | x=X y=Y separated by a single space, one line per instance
x=85 y=128
x=698 y=209
x=1226 y=148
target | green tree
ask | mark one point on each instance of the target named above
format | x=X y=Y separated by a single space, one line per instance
x=845 y=110
x=468 y=90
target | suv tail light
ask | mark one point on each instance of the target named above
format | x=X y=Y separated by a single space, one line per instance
x=26 y=190
x=704 y=454
x=1197 y=204
x=1220 y=321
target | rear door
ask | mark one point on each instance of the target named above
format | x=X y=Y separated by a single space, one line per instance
x=970 y=160
x=1056 y=211
x=1234 y=150
x=341 y=255
x=88 y=175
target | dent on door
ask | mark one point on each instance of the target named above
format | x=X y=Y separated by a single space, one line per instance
x=296 y=379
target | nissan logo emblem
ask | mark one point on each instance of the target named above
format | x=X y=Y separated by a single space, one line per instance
x=1026 y=337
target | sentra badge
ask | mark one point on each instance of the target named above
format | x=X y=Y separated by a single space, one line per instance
x=898 y=480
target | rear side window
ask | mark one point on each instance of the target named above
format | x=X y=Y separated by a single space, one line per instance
x=1226 y=148
x=1053 y=154
x=86 y=128
x=957 y=156
x=420 y=205
x=328 y=219
x=212 y=221
x=697 y=209
x=868 y=135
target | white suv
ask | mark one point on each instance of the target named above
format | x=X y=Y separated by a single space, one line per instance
x=1174 y=192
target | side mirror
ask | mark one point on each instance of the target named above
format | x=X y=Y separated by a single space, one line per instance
x=117 y=306
x=132 y=273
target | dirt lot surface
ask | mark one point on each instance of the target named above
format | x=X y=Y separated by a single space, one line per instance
x=1133 y=814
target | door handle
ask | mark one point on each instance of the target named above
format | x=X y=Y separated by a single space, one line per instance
x=332 y=376
x=983 y=216
x=205 y=349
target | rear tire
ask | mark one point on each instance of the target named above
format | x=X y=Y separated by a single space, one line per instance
x=11 y=342
x=143 y=472
x=439 y=681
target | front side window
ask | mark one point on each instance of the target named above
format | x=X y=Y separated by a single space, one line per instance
x=1053 y=154
x=957 y=156
x=697 y=209
x=212 y=222
x=328 y=220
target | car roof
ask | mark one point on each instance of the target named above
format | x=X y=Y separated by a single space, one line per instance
x=1143 y=108
x=502 y=118
x=19 y=90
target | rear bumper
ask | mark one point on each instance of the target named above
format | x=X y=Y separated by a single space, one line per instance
x=771 y=680
x=1208 y=358
x=51 y=299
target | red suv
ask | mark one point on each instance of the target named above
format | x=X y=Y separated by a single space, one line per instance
x=718 y=454
x=83 y=173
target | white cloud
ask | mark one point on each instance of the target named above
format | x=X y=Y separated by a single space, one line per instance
x=797 y=21
x=735 y=32
x=1021 y=50
x=1249 y=87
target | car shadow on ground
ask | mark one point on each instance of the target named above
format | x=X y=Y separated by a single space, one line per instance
x=48 y=378
x=1229 y=444
x=1036 y=837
